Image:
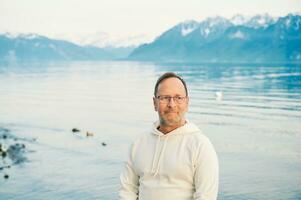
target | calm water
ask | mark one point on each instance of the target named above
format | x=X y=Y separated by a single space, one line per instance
x=255 y=127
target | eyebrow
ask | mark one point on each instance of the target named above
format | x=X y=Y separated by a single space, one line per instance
x=171 y=95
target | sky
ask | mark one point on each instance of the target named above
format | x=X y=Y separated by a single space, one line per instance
x=124 y=18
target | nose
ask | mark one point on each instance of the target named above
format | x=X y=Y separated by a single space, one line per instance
x=171 y=102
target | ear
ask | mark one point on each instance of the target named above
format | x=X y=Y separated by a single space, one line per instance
x=187 y=103
x=155 y=104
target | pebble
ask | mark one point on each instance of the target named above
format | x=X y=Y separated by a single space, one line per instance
x=89 y=134
x=74 y=130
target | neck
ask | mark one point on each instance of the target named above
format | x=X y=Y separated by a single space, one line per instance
x=164 y=128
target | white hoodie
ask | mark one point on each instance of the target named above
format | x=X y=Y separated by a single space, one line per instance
x=180 y=165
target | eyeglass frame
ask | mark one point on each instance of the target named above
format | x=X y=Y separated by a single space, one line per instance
x=175 y=99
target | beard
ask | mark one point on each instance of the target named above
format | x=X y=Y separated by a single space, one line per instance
x=171 y=118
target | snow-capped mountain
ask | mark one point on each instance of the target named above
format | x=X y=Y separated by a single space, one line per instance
x=290 y=22
x=188 y=27
x=257 y=21
x=28 y=36
x=259 y=38
x=239 y=20
x=36 y=47
x=204 y=29
x=213 y=27
x=182 y=37
x=217 y=24
x=103 y=39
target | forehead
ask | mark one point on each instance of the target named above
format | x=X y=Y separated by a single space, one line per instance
x=171 y=86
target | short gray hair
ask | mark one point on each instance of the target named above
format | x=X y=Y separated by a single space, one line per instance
x=166 y=76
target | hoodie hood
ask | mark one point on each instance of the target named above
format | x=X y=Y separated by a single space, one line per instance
x=187 y=128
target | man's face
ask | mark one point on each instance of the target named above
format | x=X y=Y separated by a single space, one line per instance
x=171 y=113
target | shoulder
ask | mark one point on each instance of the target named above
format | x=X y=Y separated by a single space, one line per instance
x=200 y=138
x=143 y=138
x=199 y=141
x=202 y=148
x=197 y=136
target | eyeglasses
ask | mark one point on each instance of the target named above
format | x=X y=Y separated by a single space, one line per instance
x=167 y=99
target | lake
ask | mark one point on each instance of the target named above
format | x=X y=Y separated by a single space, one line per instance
x=250 y=112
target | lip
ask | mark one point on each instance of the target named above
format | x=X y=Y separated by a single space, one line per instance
x=172 y=112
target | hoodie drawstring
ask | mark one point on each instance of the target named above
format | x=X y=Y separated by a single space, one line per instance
x=153 y=171
x=155 y=154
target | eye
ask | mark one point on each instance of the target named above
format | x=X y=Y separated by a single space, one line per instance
x=165 y=98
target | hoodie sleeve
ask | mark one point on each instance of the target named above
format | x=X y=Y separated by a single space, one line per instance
x=206 y=176
x=129 y=180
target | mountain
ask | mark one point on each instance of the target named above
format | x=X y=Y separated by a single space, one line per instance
x=36 y=47
x=103 y=39
x=260 y=38
x=256 y=21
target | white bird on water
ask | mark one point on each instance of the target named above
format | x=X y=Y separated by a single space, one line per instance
x=219 y=95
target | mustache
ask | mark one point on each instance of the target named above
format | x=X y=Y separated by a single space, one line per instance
x=170 y=111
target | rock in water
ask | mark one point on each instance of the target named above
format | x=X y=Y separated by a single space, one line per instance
x=11 y=151
x=89 y=134
x=75 y=130
x=16 y=153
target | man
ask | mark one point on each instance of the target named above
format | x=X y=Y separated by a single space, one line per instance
x=175 y=161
